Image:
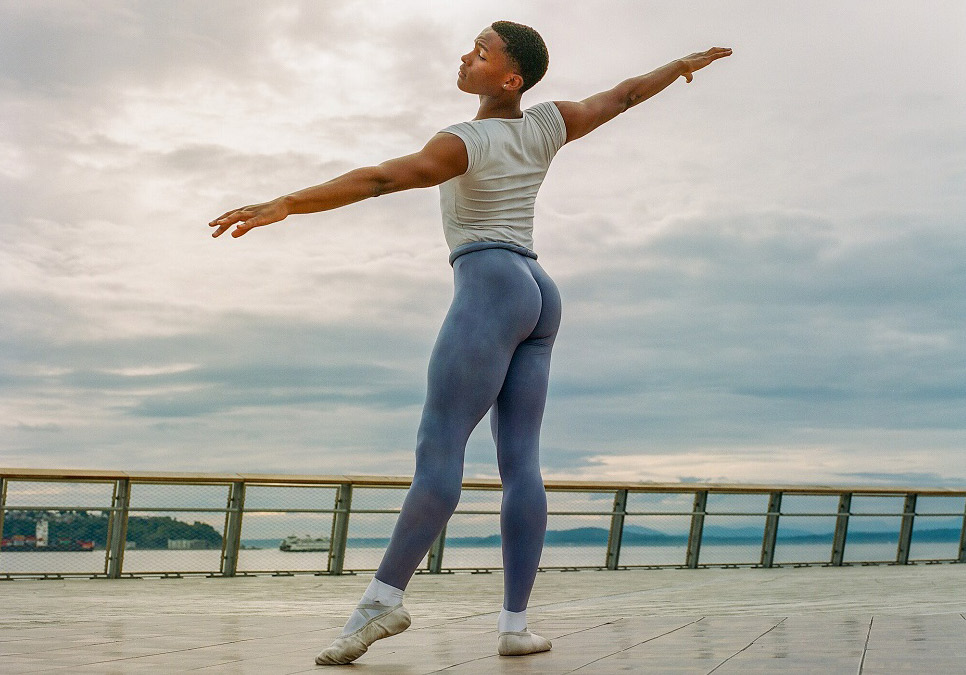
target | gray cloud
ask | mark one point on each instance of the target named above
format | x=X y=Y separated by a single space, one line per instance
x=61 y=48
x=905 y=478
x=762 y=270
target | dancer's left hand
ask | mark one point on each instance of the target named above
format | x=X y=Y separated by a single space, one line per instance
x=699 y=60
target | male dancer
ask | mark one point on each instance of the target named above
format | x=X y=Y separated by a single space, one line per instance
x=493 y=350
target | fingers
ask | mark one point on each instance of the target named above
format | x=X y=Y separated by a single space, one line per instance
x=223 y=216
x=232 y=216
x=244 y=227
x=699 y=60
x=225 y=221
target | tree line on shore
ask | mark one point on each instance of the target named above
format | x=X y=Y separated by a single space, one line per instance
x=78 y=526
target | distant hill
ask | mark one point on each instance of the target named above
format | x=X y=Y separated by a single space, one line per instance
x=635 y=535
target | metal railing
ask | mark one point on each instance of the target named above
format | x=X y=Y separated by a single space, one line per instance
x=39 y=493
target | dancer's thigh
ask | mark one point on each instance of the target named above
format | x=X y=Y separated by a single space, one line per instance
x=518 y=413
x=496 y=306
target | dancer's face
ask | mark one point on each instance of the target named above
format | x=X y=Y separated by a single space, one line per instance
x=487 y=68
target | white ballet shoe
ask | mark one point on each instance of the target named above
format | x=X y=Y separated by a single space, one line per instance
x=348 y=648
x=517 y=644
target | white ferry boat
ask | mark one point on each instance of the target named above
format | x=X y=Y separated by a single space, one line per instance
x=295 y=544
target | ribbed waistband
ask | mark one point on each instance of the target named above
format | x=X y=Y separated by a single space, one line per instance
x=483 y=245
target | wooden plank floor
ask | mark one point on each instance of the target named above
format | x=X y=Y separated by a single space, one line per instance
x=874 y=619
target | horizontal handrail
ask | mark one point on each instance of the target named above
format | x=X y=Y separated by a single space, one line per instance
x=308 y=480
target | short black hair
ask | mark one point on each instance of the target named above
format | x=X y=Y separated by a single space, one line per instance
x=525 y=46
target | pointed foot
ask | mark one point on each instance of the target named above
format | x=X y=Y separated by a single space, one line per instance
x=348 y=648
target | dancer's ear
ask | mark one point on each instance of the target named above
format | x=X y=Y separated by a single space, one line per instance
x=513 y=82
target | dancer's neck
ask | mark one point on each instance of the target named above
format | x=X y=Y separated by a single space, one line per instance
x=506 y=107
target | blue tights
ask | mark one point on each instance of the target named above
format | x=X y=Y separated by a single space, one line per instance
x=493 y=351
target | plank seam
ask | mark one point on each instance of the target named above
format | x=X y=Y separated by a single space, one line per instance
x=865 y=647
x=606 y=656
x=747 y=645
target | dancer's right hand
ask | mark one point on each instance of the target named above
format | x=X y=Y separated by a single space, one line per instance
x=247 y=217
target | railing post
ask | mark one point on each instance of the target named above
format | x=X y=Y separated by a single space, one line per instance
x=434 y=561
x=231 y=537
x=771 y=529
x=962 y=541
x=905 y=531
x=3 y=502
x=117 y=528
x=616 y=529
x=841 y=529
x=340 y=528
x=697 y=527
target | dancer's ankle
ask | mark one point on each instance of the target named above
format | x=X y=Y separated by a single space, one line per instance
x=382 y=593
x=377 y=595
x=514 y=622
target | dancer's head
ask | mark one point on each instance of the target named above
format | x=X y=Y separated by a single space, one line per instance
x=507 y=58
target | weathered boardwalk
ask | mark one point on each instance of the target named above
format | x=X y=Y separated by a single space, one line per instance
x=882 y=619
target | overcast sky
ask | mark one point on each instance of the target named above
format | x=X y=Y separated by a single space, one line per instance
x=763 y=271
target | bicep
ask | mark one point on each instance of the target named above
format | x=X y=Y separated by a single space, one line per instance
x=442 y=158
x=582 y=117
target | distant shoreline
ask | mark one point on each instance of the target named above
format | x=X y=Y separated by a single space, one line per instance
x=597 y=537
x=592 y=536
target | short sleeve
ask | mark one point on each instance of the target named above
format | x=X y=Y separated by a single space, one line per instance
x=551 y=122
x=475 y=143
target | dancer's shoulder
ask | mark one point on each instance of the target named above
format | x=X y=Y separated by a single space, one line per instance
x=548 y=118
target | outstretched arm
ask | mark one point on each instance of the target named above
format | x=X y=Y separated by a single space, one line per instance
x=444 y=157
x=582 y=117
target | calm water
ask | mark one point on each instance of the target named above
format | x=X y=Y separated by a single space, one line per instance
x=368 y=558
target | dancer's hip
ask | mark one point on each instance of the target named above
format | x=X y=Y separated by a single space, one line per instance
x=474 y=246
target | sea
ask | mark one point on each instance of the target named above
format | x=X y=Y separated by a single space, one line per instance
x=262 y=560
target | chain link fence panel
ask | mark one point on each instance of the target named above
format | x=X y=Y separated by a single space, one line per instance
x=286 y=529
x=937 y=523
x=55 y=527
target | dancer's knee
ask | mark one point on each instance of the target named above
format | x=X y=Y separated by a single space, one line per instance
x=437 y=495
x=524 y=487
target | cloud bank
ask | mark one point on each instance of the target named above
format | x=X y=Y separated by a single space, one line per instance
x=761 y=270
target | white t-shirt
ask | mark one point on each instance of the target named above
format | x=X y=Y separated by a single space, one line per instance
x=508 y=160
